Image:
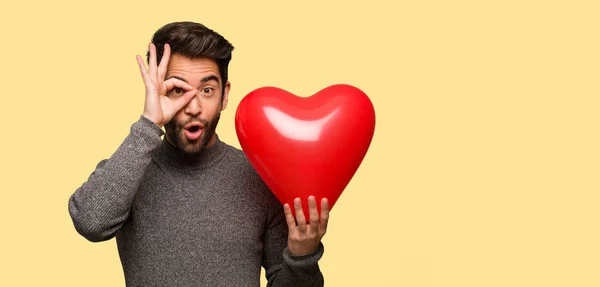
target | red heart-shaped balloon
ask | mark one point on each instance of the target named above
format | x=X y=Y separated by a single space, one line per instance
x=306 y=146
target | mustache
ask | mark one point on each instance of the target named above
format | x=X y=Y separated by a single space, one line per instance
x=194 y=119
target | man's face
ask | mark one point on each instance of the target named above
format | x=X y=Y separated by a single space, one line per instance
x=193 y=127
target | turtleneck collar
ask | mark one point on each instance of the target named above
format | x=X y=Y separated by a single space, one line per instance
x=206 y=157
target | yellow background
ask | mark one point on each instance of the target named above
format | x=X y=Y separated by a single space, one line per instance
x=483 y=170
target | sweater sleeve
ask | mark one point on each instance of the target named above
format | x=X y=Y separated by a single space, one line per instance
x=100 y=206
x=281 y=267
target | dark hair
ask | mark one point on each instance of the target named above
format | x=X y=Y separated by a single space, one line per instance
x=194 y=40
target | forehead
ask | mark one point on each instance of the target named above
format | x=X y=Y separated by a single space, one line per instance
x=192 y=70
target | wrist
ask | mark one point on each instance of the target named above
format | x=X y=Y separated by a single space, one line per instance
x=297 y=251
x=156 y=122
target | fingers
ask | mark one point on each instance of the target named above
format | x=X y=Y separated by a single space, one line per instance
x=300 y=215
x=152 y=62
x=314 y=213
x=289 y=218
x=164 y=62
x=173 y=83
x=179 y=103
x=144 y=72
x=181 y=99
x=316 y=222
x=324 y=215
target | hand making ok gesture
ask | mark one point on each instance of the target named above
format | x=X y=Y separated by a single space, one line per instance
x=158 y=107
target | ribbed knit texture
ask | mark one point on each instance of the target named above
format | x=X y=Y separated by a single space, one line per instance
x=181 y=221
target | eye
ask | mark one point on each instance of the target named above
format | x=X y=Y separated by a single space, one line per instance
x=208 y=91
x=175 y=92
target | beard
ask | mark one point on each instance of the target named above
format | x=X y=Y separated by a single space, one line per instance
x=175 y=134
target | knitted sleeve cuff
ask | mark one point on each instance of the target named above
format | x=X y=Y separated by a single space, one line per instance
x=146 y=126
x=303 y=261
x=144 y=136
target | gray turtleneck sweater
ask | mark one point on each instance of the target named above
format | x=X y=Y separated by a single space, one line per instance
x=180 y=221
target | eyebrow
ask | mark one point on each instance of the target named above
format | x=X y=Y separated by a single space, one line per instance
x=209 y=78
x=204 y=80
x=179 y=78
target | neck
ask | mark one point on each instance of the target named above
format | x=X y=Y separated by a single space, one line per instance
x=206 y=156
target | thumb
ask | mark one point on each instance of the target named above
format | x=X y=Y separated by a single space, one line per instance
x=179 y=103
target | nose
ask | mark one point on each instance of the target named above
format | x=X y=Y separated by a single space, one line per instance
x=194 y=107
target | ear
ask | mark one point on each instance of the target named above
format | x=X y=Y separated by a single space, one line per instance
x=226 y=95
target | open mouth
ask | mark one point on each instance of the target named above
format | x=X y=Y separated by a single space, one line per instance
x=193 y=131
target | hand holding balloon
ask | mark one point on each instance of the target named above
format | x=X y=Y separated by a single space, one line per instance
x=304 y=237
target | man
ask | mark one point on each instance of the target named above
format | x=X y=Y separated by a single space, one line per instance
x=189 y=210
